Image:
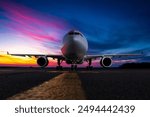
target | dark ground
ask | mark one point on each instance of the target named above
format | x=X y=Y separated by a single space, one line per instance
x=16 y=81
x=109 y=84
x=117 y=84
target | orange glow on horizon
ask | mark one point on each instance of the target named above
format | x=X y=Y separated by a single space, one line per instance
x=8 y=60
x=19 y=61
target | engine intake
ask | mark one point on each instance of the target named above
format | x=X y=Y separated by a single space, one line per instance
x=42 y=61
x=106 y=62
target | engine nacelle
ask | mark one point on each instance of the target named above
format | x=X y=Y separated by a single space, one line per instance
x=106 y=62
x=42 y=61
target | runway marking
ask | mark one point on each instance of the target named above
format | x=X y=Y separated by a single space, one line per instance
x=65 y=86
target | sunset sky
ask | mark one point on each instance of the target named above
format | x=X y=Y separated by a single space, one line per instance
x=38 y=26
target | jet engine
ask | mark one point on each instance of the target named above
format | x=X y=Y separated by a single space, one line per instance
x=106 y=62
x=42 y=61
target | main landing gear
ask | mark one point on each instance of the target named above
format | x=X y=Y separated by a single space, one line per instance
x=59 y=67
x=89 y=67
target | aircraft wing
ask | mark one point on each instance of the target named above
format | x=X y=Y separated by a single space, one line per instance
x=88 y=57
x=38 y=55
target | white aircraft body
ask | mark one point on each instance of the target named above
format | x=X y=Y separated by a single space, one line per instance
x=74 y=51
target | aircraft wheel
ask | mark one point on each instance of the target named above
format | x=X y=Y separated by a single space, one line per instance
x=73 y=67
x=89 y=67
x=59 y=68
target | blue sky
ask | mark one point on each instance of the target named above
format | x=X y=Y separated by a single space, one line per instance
x=110 y=26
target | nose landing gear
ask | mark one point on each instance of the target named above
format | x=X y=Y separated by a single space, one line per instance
x=73 y=67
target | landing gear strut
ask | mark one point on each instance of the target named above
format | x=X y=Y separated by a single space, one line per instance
x=73 y=67
x=89 y=67
x=59 y=67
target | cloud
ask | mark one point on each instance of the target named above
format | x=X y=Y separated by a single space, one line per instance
x=110 y=27
x=33 y=25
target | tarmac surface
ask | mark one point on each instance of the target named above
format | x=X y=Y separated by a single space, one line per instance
x=48 y=84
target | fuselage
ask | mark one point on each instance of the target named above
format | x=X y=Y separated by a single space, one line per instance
x=74 y=47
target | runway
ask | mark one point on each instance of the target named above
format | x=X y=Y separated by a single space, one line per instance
x=50 y=84
x=64 y=86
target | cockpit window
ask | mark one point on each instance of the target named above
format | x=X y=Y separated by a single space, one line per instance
x=74 y=33
x=71 y=33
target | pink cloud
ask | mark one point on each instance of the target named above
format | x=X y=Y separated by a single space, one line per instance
x=33 y=24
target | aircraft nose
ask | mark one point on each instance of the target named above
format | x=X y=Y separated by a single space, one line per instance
x=75 y=39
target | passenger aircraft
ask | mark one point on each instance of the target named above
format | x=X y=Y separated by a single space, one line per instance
x=74 y=51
